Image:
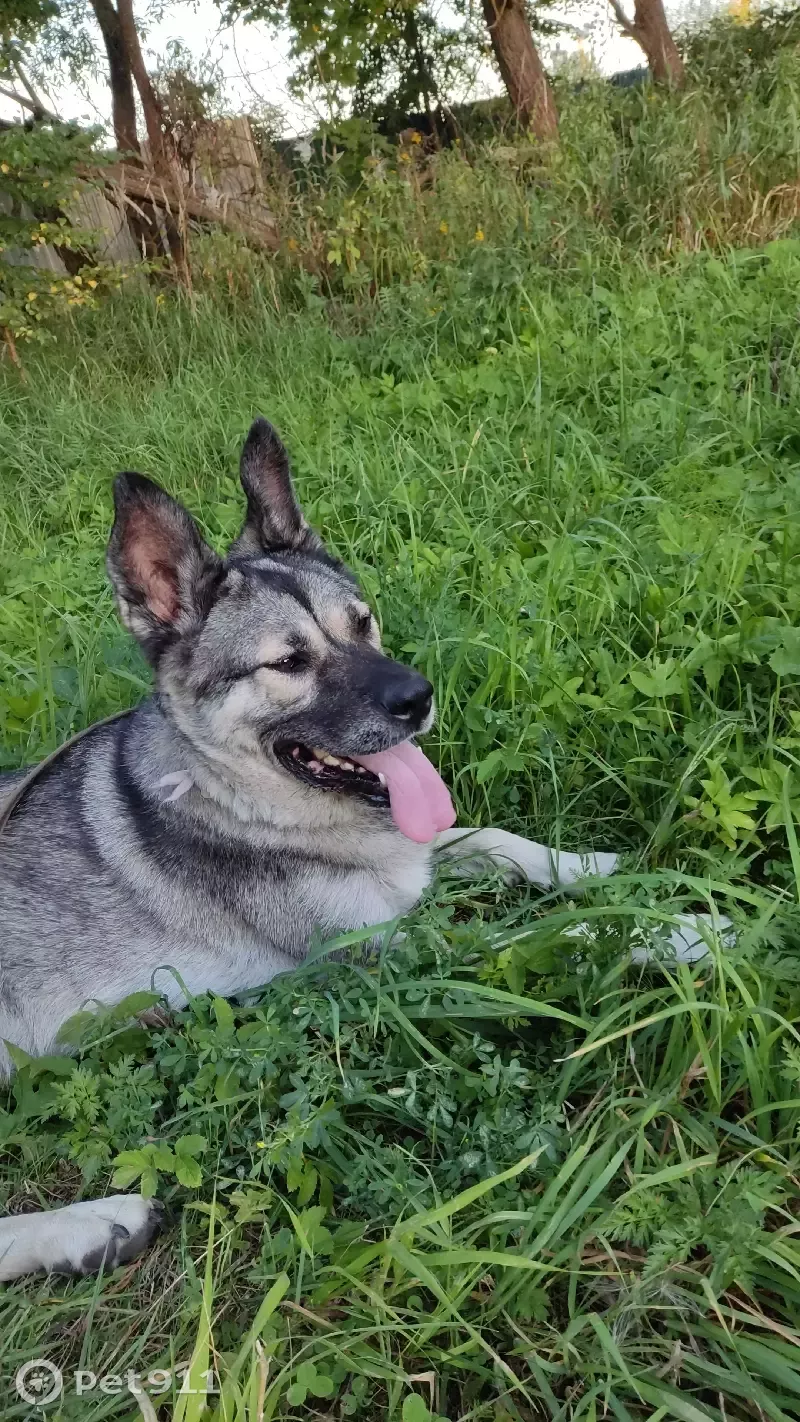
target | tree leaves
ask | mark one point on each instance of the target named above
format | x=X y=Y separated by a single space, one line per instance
x=151 y=1161
x=785 y=660
x=659 y=680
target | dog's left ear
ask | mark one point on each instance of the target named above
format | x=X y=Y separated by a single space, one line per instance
x=274 y=521
x=163 y=573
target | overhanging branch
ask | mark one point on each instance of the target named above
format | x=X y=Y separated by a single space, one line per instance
x=34 y=106
x=29 y=101
x=626 y=25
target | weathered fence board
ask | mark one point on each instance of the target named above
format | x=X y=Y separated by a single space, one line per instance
x=226 y=187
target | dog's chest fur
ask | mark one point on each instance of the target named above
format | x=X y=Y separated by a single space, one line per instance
x=105 y=882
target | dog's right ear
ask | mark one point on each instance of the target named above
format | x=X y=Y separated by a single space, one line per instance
x=274 y=521
x=163 y=573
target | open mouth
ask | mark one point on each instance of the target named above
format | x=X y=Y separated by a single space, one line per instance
x=320 y=768
x=400 y=779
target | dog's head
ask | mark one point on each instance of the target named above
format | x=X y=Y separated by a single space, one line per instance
x=270 y=657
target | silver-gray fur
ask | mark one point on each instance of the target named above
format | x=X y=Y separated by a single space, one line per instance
x=108 y=876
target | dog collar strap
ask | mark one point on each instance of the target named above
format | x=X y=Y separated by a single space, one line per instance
x=10 y=801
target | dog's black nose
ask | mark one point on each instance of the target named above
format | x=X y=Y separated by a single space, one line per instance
x=409 y=697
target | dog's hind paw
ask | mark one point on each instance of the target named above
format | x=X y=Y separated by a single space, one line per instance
x=79 y=1239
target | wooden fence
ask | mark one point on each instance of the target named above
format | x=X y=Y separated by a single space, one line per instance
x=223 y=186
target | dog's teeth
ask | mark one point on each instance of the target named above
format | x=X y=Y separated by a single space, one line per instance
x=361 y=770
x=319 y=752
x=314 y=765
x=347 y=765
x=331 y=760
x=382 y=778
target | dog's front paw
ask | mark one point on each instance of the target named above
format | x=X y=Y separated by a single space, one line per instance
x=571 y=868
x=112 y=1232
x=79 y=1239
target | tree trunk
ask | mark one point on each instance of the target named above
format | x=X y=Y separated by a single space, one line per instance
x=123 y=103
x=521 y=67
x=653 y=33
x=426 y=82
x=144 y=224
x=159 y=153
x=650 y=30
x=162 y=155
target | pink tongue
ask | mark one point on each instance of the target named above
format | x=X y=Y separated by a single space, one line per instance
x=419 y=798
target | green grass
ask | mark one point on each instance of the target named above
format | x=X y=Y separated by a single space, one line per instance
x=496 y=1169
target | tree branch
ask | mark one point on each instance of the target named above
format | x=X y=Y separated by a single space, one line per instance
x=28 y=87
x=627 y=26
x=36 y=108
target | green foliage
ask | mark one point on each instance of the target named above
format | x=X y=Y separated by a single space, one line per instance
x=149 y=1162
x=38 y=181
x=21 y=22
x=647 y=695
x=412 y=62
x=384 y=59
x=644 y=170
x=387 y=57
x=732 y=58
x=498 y=1170
x=650 y=1214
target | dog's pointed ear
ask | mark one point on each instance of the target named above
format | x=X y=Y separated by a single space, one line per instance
x=274 y=522
x=163 y=574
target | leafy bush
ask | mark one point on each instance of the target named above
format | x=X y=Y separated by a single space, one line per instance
x=731 y=58
x=478 y=1175
x=38 y=181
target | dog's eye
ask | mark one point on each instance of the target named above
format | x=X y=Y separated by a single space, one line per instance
x=295 y=661
x=292 y=662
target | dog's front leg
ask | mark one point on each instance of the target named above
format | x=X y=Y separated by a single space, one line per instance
x=78 y=1239
x=684 y=936
x=521 y=860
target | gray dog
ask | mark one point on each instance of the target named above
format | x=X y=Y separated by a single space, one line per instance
x=270 y=788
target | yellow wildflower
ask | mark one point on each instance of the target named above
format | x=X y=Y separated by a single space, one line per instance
x=416 y=137
x=479 y=237
x=292 y=244
x=443 y=228
x=4 y=168
x=46 y=183
x=91 y=283
x=31 y=296
x=405 y=158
